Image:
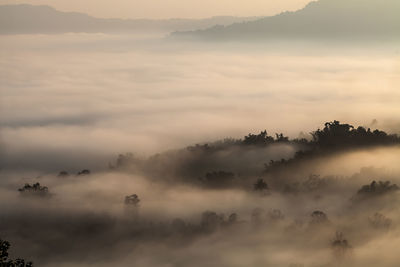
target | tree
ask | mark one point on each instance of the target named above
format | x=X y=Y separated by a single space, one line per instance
x=260 y=185
x=376 y=189
x=233 y=218
x=380 y=221
x=5 y=261
x=276 y=215
x=318 y=217
x=132 y=200
x=63 y=174
x=340 y=245
x=260 y=139
x=34 y=190
x=211 y=221
x=84 y=172
x=132 y=206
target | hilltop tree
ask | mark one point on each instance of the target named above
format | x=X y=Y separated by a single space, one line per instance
x=340 y=135
x=260 y=139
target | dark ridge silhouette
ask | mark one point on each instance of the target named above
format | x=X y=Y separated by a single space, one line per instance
x=32 y=19
x=366 y=20
x=5 y=261
x=334 y=137
x=244 y=158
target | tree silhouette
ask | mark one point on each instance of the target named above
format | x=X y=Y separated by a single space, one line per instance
x=318 y=217
x=380 y=221
x=34 y=190
x=260 y=185
x=132 y=200
x=211 y=221
x=376 y=189
x=5 y=261
x=340 y=245
x=63 y=174
x=233 y=218
x=275 y=215
x=338 y=135
x=260 y=139
x=84 y=172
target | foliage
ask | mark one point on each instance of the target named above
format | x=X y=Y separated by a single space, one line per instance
x=337 y=135
x=318 y=217
x=376 y=189
x=187 y=164
x=4 y=257
x=258 y=139
x=380 y=221
x=34 y=190
x=84 y=172
x=340 y=245
x=132 y=200
x=260 y=185
x=63 y=174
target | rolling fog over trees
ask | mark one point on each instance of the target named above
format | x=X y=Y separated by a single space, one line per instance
x=120 y=147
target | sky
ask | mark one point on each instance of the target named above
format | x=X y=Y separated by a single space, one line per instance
x=169 y=8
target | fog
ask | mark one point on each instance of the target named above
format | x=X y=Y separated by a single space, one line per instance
x=73 y=102
x=78 y=100
x=86 y=223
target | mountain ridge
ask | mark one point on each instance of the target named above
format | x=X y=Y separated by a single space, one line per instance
x=318 y=19
x=43 y=19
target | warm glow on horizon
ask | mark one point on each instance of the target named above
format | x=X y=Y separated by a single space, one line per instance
x=169 y=9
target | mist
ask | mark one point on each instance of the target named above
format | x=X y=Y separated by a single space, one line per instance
x=78 y=100
x=141 y=149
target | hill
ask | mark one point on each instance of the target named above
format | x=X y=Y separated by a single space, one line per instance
x=31 y=19
x=365 y=19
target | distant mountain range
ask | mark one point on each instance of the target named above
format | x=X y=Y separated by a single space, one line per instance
x=30 y=19
x=337 y=19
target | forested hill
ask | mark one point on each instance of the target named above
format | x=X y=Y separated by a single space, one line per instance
x=334 y=19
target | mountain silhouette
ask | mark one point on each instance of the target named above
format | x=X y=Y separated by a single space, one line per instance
x=31 y=19
x=366 y=19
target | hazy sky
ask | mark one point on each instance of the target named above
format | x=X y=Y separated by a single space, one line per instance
x=169 y=8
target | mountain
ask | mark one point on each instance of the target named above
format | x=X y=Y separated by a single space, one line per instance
x=320 y=19
x=28 y=19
